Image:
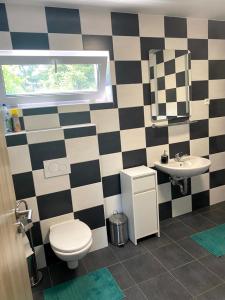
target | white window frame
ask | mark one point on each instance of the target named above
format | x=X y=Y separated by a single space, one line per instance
x=16 y=57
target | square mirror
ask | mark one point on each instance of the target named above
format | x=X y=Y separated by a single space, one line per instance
x=170 y=83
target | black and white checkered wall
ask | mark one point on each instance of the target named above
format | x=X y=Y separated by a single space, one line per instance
x=125 y=134
x=56 y=199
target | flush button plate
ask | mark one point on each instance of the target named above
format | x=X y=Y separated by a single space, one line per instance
x=56 y=167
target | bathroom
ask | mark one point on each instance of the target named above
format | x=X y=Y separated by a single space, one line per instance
x=99 y=142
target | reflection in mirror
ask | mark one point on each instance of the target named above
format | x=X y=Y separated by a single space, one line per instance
x=170 y=83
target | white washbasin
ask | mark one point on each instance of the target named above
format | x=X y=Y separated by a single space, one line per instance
x=189 y=166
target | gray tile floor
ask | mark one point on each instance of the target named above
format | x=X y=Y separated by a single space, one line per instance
x=171 y=267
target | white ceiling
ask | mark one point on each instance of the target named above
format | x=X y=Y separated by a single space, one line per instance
x=212 y=9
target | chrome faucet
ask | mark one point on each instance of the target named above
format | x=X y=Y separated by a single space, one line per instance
x=180 y=156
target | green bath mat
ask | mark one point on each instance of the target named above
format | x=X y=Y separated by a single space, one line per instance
x=98 y=285
x=212 y=240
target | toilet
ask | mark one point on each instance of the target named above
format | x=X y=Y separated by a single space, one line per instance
x=70 y=241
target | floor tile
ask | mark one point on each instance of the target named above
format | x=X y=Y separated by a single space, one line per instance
x=143 y=267
x=167 y=222
x=196 y=278
x=38 y=295
x=99 y=259
x=215 y=264
x=153 y=242
x=197 y=222
x=220 y=205
x=215 y=294
x=45 y=282
x=172 y=256
x=215 y=215
x=127 y=251
x=164 y=287
x=60 y=272
x=203 y=209
x=134 y=293
x=178 y=231
x=193 y=248
x=122 y=276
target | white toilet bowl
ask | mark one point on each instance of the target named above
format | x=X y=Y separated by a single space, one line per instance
x=70 y=241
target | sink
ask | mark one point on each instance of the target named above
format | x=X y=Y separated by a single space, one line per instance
x=187 y=167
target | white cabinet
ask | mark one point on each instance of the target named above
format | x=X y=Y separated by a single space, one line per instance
x=140 y=201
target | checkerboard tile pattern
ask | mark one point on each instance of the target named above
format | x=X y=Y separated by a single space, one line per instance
x=77 y=195
x=125 y=134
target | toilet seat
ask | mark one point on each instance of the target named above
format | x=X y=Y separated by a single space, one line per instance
x=68 y=255
x=70 y=236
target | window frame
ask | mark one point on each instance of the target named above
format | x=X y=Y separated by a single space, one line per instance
x=16 y=57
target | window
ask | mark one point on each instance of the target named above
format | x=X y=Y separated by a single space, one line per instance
x=43 y=78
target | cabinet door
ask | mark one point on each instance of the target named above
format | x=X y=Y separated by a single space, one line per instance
x=145 y=214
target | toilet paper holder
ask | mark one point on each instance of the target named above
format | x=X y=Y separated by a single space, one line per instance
x=35 y=275
x=27 y=213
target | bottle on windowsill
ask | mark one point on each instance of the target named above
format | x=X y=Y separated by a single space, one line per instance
x=15 y=120
x=6 y=118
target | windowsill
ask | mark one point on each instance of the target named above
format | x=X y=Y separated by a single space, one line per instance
x=50 y=129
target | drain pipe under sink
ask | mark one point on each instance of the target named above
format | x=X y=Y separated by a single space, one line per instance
x=182 y=183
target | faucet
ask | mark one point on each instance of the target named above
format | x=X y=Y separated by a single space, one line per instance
x=179 y=156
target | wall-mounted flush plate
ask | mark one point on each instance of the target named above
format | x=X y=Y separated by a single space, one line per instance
x=56 y=167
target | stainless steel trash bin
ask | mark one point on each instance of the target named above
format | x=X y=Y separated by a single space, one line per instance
x=118 y=224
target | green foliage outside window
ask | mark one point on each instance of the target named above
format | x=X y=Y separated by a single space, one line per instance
x=60 y=78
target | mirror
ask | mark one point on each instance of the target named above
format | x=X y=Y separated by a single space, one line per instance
x=170 y=83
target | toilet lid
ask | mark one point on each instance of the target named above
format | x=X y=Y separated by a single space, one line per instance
x=70 y=236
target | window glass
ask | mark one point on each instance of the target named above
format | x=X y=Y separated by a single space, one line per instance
x=49 y=78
